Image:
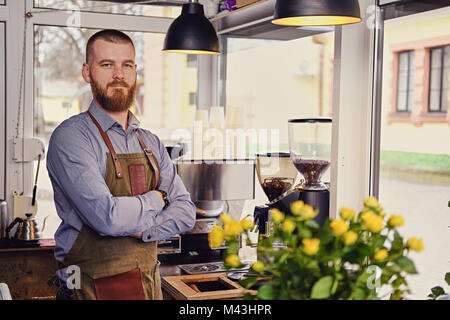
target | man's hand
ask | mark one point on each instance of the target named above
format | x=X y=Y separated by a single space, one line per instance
x=137 y=235
x=162 y=197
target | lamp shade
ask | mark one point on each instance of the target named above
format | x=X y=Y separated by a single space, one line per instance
x=316 y=12
x=191 y=32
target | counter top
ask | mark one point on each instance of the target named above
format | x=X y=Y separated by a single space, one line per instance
x=170 y=262
x=12 y=245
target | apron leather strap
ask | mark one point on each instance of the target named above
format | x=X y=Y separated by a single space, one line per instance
x=110 y=147
x=151 y=159
x=147 y=152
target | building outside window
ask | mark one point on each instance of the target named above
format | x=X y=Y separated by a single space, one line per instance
x=414 y=176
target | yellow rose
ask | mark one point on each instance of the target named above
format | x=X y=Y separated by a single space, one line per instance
x=308 y=212
x=311 y=246
x=233 y=260
x=247 y=224
x=415 y=244
x=381 y=255
x=288 y=226
x=349 y=237
x=225 y=218
x=347 y=213
x=371 y=202
x=258 y=266
x=339 y=227
x=232 y=228
x=215 y=237
x=296 y=207
x=396 y=220
x=277 y=215
x=373 y=222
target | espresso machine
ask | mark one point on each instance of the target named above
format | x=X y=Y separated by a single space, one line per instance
x=310 y=153
x=216 y=187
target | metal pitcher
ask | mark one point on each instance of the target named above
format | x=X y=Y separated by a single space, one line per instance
x=26 y=229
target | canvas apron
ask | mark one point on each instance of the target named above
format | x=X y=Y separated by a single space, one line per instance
x=119 y=268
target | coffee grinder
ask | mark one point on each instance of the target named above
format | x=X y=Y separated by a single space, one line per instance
x=310 y=153
x=276 y=175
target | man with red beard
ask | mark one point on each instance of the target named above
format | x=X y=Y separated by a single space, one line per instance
x=115 y=188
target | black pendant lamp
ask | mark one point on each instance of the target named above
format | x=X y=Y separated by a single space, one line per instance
x=191 y=32
x=316 y=12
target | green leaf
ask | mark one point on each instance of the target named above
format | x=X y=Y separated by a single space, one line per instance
x=397 y=295
x=335 y=286
x=398 y=282
x=266 y=292
x=312 y=224
x=447 y=278
x=437 y=291
x=397 y=244
x=407 y=265
x=233 y=247
x=359 y=294
x=248 y=296
x=363 y=251
x=325 y=235
x=248 y=282
x=305 y=233
x=322 y=288
x=283 y=257
x=379 y=240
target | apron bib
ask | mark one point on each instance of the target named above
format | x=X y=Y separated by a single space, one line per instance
x=119 y=268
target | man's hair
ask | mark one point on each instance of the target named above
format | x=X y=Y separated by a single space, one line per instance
x=109 y=35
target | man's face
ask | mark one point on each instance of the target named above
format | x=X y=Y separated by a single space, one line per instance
x=111 y=71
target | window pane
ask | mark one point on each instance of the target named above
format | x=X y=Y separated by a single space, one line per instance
x=403 y=80
x=403 y=61
x=435 y=79
x=2 y=2
x=412 y=55
x=164 y=84
x=447 y=56
x=436 y=58
x=444 y=106
x=445 y=78
x=112 y=7
x=300 y=82
x=401 y=102
x=410 y=100
x=415 y=160
x=434 y=100
x=411 y=79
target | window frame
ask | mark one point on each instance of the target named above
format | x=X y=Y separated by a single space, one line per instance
x=3 y=108
x=441 y=78
x=417 y=117
x=19 y=175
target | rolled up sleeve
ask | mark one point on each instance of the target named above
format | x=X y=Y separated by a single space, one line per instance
x=73 y=165
x=179 y=215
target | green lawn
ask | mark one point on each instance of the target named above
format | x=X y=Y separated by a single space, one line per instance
x=438 y=162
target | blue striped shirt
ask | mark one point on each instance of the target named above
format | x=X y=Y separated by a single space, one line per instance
x=76 y=163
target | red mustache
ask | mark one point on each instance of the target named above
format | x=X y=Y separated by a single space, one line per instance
x=120 y=83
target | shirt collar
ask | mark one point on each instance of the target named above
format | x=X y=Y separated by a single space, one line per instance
x=105 y=119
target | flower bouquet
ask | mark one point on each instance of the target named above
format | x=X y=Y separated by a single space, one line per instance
x=346 y=258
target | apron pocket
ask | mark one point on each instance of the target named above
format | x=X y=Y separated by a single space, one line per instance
x=123 y=286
